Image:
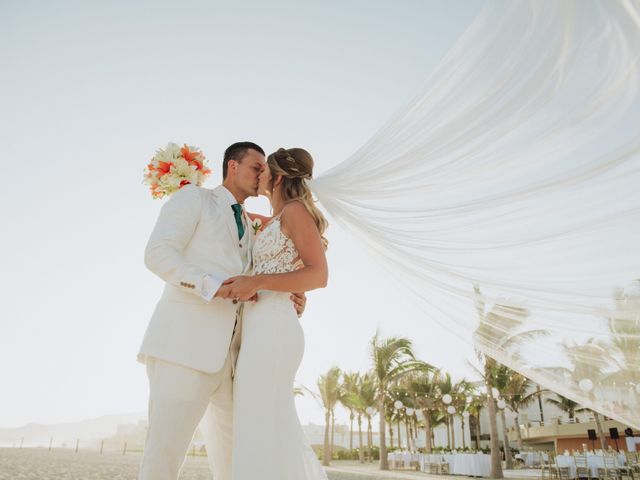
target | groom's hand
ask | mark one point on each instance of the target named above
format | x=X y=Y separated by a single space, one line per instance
x=241 y=288
x=299 y=302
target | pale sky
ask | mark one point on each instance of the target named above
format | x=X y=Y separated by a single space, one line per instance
x=89 y=90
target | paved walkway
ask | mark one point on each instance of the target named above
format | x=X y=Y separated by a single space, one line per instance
x=368 y=471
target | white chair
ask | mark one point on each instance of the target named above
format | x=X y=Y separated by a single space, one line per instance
x=609 y=471
x=546 y=471
x=583 y=470
x=559 y=472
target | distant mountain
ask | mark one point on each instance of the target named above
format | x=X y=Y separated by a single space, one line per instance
x=90 y=430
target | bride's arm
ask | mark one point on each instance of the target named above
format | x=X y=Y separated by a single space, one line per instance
x=298 y=225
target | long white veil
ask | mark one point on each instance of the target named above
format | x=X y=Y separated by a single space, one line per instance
x=508 y=192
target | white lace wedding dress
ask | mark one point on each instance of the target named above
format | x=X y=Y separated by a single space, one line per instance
x=268 y=442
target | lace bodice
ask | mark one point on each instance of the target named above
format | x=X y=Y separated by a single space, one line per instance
x=273 y=251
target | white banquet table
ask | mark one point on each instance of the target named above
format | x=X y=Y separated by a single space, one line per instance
x=470 y=464
x=532 y=458
x=594 y=462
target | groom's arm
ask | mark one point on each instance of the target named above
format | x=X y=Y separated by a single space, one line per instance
x=176 y=224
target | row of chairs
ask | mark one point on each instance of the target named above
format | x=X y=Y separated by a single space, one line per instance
x=608 y=471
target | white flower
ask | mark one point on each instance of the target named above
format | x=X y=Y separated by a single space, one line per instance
x=182 y=168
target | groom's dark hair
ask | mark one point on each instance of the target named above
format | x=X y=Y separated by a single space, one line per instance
x=236 y=152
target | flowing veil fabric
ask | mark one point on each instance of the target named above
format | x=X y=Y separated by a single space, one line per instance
x=506 y=195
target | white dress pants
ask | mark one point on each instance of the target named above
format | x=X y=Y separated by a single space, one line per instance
x=180 y=398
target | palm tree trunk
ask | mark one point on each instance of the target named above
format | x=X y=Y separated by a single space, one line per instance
x=326 y=454
x=539 y=392
x=603 y=440
x=406 y=426
x=384 y=463
x=453 y=432
x=333 y=431
x=360 y=443
x=462 y=425
x=427 y=431
x=477 y=420
x=399 y=437
x=414 y=433
x=496 y=458
x=507 y=449
x=448 y=432
x=351 y=417
x=369 y=438
x=391 y=436
x=520 y=442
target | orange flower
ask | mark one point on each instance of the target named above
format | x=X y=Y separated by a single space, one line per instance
x=187 y=154
x=163 y=167
x=192 y=158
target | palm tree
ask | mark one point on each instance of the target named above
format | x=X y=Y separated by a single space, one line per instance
x=459 y=392
x=516 y=397
x=502 y=376
x=330 y=393
x=366 y=403
x=405 y=392
x=349 y=400
x=390 y=416
x=589 y=360
x=445 y=387
x=474 y=408
x=462 y=390
x=362 y=399
x=392 y=358
x=395 y=393
x=498 y=331
x=566 y=405
x=624 y=326
x=424 y=388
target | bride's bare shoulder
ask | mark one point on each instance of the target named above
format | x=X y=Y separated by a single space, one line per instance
x=295 y=215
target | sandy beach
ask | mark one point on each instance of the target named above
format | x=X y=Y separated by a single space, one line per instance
x=63 y=464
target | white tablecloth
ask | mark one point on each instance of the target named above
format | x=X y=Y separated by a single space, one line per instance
x=402 y=459
x=532 y=458
x=471 y=464
x=594 y=462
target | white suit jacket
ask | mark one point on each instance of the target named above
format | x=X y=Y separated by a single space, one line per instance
x=195 y=235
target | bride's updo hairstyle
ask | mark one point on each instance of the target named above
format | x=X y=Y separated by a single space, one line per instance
x=296 y=166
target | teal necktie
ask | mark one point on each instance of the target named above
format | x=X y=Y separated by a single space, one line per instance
x=237 y=212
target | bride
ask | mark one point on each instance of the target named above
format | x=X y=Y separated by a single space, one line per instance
x=288 y=256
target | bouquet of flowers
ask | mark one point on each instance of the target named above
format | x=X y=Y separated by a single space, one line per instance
x=172 y=168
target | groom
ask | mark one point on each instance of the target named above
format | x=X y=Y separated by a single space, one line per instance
x=201 y=238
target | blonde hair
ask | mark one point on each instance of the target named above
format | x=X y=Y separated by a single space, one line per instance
x=295 y=165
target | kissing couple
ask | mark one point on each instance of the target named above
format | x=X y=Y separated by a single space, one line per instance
x=224 y=342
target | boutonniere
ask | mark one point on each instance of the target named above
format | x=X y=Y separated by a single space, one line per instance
x=257 y=226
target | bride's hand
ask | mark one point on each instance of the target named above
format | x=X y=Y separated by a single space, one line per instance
x=241 y=288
